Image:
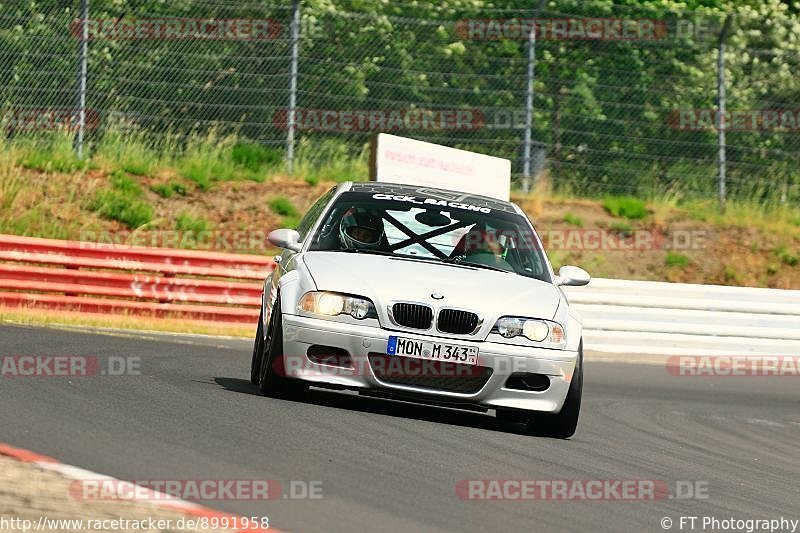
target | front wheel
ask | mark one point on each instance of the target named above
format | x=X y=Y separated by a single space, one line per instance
x=562 y=425
x=272 y=380
x=258 y=351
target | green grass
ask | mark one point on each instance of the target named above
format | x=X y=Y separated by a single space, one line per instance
x=210 y=159
x=575 y=220
x=621 y=227
x=282 y=206
x=122 y=202
x=625 y=207
x=53 y=153
x=117 y=205
x=786 y=257
x=255 y=157
x=290 y=222
x=133 y=152
x=675 y=259
x=730 y=275
x=10 y=182
x=186 y=222
x=167 y=190
x=331 y=160
x=125 y=184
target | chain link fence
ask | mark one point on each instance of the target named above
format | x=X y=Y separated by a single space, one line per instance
x=617 y=98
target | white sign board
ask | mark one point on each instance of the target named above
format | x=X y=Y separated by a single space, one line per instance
x=400 y=160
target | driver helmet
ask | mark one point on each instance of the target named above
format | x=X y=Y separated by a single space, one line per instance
x=481 y=240
x=361 y=229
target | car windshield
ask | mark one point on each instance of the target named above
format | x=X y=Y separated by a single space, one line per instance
x=432 y=230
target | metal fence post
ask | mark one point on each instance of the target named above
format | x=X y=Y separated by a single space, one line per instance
x=531 y=74
x=293 y=87
x=83 y=50
x=721 y=125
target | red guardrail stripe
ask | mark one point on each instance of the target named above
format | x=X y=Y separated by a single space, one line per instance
x=144 y=273
x=101 y=305
x=138 y=266
x=140 y=282
x=153 y=293
x=136 y=253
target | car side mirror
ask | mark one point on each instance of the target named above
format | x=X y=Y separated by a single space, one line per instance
x=573 y=276
x=287 y=239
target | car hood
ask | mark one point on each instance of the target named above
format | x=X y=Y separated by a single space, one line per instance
x=385 y=279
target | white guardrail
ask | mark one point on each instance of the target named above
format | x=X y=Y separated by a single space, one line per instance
x=649 y=317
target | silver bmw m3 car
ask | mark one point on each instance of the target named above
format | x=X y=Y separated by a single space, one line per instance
x=426 y=294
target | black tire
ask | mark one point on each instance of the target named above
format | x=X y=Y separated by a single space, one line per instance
x=258 y=351
x=272 y=380
x=562 y=425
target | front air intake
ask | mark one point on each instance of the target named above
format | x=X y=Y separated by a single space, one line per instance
x=415 y=316
x=457 y=322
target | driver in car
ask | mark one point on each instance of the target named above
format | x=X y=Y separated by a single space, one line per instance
x=361 y=229
x=481 y=245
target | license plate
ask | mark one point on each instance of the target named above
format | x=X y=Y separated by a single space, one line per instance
x=437 y=351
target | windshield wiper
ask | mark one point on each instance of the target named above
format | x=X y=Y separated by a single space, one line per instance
x=364 y=251
x=454 y=261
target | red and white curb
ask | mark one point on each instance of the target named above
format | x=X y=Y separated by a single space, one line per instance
x=172 y=503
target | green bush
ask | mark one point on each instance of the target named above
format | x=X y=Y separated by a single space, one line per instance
x=786 y=257
x=730 y=274
x=255 y=156
x=54 y=154
x=133 y=152
x=621 y=227
x=675 y=259
x=625 y=207
x=166 y=190
x=575 y=220
x=123 y=207
x=125 y=184
x=282 y=206
x=290 y=222
x=186 y=222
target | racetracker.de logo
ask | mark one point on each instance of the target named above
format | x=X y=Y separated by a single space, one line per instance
x=564 y=29
x=223 y=240
x=109 y=489
x=49 y=119
x=580 y=489
x=381 y=120
x=776 y=120
x=169 y=29
x=70 y=366
x=167 y=489
x=734 y=366
x=585 y=239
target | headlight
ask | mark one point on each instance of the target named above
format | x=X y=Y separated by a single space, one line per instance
x=333 y=304
x=532 y=329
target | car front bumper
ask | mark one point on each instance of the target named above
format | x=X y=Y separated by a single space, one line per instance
x=300 y=333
